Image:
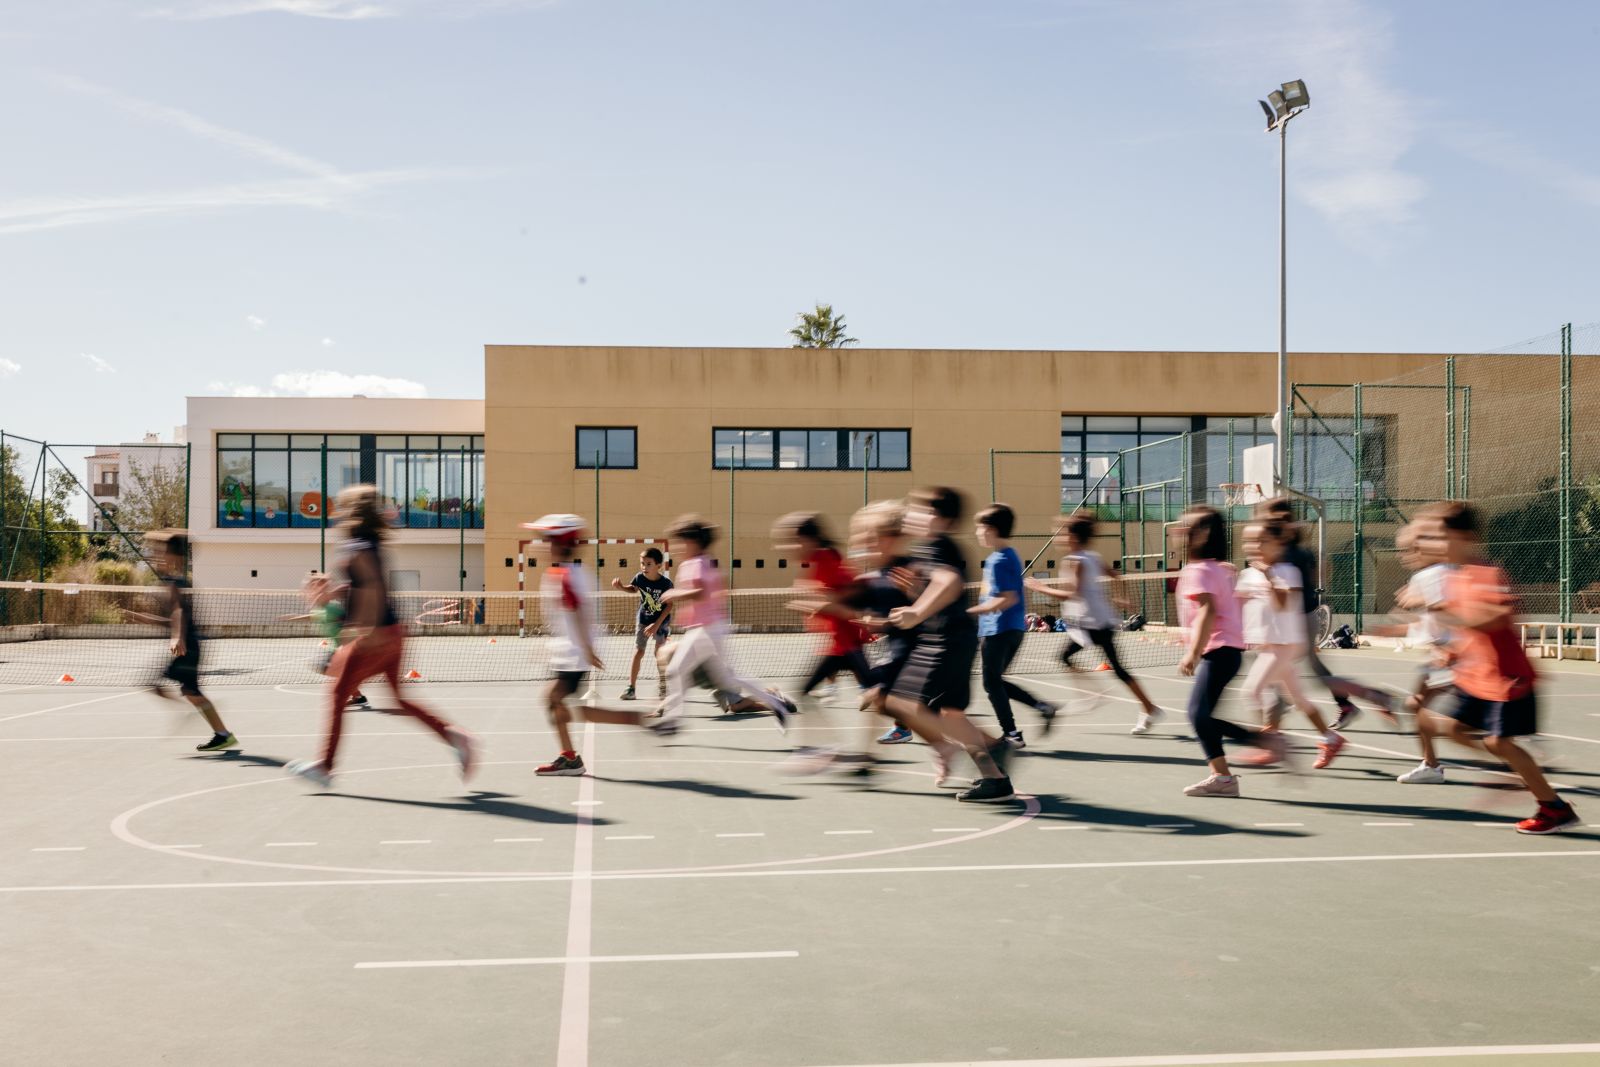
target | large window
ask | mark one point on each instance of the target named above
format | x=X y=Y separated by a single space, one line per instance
x=1090 y=445
x=426 y=481
x=607 y=447
x=811 y=449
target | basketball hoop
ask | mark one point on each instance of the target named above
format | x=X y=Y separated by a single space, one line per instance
x=1241 y=494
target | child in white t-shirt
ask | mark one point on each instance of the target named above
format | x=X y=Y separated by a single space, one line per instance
x=1274 y=625
x=1424 y=597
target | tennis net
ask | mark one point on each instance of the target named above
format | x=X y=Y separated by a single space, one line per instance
x=96 y=635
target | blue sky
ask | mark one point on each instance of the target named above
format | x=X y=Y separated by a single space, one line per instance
x=311 y=196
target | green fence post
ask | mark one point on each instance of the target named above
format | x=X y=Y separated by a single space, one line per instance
x=992 y=495
x=3 y=466
x=1564 y=547
x=188 y=465
x=322 y=512
x=597 y=518
x=461 y=526
x=866 y=468
x=1466 y=442
x=1450 y=487
x=1358 y=537
x=731 y=548
x=44 y=492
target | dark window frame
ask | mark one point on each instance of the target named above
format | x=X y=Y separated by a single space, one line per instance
x=841 y=448
x=582 y=464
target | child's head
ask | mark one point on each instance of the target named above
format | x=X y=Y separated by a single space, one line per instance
x=1405 y=546
x=650 y=561
x=877 y=531
x=689 y=536
x=360 y=513
x=1280 y=509
x=1263 y=542
x=799 y=534
x=993 y=525
x=169 y=551
x=1201 y=533
x=933 y=510
x=1078 y=530
x=1450 y=529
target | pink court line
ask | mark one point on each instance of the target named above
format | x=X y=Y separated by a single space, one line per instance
x=527 y=961
x=1223 y=1059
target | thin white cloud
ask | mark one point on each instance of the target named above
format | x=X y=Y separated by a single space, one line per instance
x=327 y=342
x=1346 y=155
x=341 y=10
x=1497 y=149
x=255 y=322
x=9 y=368
x=326 y=383
x=100 y=366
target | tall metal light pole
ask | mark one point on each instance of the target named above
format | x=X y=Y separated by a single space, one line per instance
x=1281 y=105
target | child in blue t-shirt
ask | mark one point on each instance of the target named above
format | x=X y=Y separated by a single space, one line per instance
x=1002 y=620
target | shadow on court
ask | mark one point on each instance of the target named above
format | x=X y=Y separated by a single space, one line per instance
x=1060 y=809
x=496 y=805
x=689 y=785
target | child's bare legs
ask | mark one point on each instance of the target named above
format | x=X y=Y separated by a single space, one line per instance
x=208 y=711
x=633 y=669
x=560 y=716
x=960 y=729
x=1503 y=748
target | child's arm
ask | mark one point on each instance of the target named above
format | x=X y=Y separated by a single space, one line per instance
x=1203 y=623
x=944 y=586
x=1006 y=598
x=626 y=587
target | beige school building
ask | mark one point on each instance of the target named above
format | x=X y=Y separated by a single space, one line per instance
x=632 y=437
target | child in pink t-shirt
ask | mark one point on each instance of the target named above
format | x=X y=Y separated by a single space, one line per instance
x=1208 y=610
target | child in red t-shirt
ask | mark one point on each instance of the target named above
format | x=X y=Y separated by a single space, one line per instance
x=1494 y=680
x=804 y=539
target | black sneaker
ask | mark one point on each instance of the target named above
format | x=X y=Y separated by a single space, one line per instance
x=1014 y=739
x=988 y=791
x=1348 y=713
x=218 y=743
x=784 y=712
x=358 y=701
x=629 y=694
x=1047 y=717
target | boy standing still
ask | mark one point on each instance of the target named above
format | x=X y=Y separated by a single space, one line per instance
x=1495 y=699
x=652 y=623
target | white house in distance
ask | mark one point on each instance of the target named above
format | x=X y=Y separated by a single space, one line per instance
x=264 y=469
x=108 y=470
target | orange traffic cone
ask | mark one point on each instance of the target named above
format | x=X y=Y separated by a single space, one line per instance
x=1103 y=667
x=65 y=679
x=492 y=641
x=413 y=675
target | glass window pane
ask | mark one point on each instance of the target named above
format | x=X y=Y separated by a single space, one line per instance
x=619 y=448
x=1165 y=424
x=305 y=440
x=427 y=442
x=1071 y=492
x=894 y=450
x=234 y=496
x=727 y=448
x=272 y=440
x=477 y=441
x=824 y=449
x=1161 y=462
x=792 y=449
x=422 y=490
x=1110 y=442
x=233 y=440
x=392 y=484
x=344 y=440
x=758 y=448
x=1071 y=422
x=272 y=488
x=344 y=468
x=1071 y=465
x=452 y=488
x=454 y=442
x=1106 y=423
x=305 y=489
x=862 y=443
x=477 y=492
x=591 y=444
x=396 y=441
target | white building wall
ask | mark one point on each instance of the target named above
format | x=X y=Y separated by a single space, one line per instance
x=281 y=558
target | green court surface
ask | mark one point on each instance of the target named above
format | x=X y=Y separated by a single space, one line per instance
x=687 y=904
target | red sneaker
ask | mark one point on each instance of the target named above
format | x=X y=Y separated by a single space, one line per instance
x=1326 y=751
x=1549 y=819
x=565 y=765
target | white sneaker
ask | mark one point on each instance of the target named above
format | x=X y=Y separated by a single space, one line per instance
x=826 y=691
x=1214 y=786
x=1423 y=774
x=311 y=770
x=466 y=747
x=1146 y=720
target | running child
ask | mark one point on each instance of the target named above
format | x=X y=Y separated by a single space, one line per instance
x=653 y=622
x=938 y=676
x=1495 y=698
x=1089 y=591
x=1002 y=620
x=568 y=606
x=1208 y=609
x=1423 y=598
x=327 y=612
x=372 y=641
x=1281 y=509
x=1268 y=591
x=172 y=564
x=802 y=537
x=701 y=610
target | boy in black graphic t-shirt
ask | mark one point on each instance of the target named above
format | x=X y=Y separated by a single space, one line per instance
x=653 y=618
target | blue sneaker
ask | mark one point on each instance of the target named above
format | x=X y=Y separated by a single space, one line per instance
x=899 y=735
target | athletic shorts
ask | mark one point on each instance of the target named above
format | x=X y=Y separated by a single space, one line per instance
x=1497 y=718
x=641 y=640
x=939 y=672
x=572 y=680
x=185 y=670
x=883 y=675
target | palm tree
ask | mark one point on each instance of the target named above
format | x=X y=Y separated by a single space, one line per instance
x=820 y=329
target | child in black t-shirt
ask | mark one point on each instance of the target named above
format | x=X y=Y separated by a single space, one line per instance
x=653 y=619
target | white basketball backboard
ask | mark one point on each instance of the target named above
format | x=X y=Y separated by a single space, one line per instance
x=1258 y=473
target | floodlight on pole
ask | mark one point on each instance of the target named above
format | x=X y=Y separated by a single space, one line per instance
x=1281 y=105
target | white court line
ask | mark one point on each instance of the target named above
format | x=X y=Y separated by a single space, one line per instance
x=64 y=707
x=535 y=960
x=515 y=840
x=847 y=831
x=760 y=834
x=289 y=844
x=586 y=803
x=408 y=841
x=630 y=837
x=809 y=872
x=572 y=1049
x=61 y=848
x=1569 y=737
x=1202 y=1059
